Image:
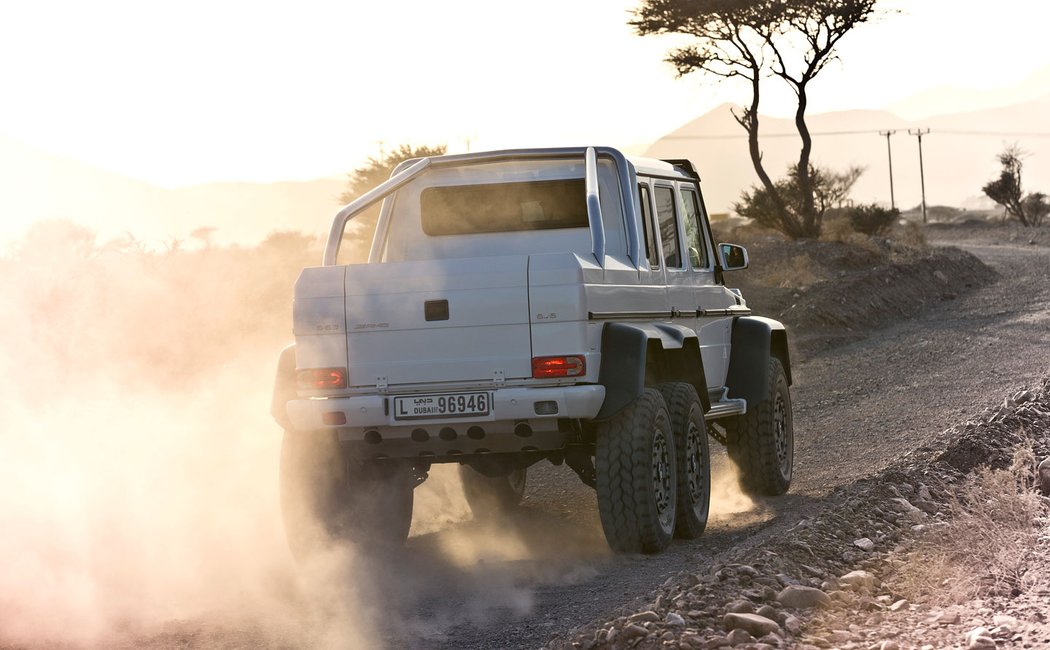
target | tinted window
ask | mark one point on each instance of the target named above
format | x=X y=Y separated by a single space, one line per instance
x=646 y=215
x=504 y=207
x=665 y=214
x=694 y=230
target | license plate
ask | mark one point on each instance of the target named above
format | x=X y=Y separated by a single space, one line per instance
x=423 y=407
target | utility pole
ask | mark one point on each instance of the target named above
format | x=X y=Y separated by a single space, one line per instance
x=922 y=176
x=889 y=153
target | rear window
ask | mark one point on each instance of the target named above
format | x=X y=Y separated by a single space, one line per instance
x=504 y=207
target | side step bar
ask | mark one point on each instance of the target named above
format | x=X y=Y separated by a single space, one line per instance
x=722 y=406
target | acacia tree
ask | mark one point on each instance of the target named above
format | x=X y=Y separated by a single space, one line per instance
x=357 y=237
x=828 y=189
x=750 y=40
x=377 y=170
x=1008 y=192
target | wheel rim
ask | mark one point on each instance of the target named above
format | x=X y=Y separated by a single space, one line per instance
x=663 y=488
x=782 y=435
x=694 y=467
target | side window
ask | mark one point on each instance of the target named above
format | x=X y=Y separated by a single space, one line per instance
x=665 y=214
x=645 y=213
x=694 y=230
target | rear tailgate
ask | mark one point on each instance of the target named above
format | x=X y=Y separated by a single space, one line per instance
x=478 y=327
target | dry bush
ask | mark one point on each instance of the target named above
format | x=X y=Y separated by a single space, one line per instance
x=800 y=271
x=837 y=230
x=841 y=230
x=984 y=548
x=872 y=219
x=913 y=236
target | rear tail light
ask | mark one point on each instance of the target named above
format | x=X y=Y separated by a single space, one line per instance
x=547 y=367
x=321 y=378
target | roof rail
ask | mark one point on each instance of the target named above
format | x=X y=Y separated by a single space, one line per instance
x=685 y=165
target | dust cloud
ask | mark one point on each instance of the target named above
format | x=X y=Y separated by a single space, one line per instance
x=727 y=498
x=139 y=462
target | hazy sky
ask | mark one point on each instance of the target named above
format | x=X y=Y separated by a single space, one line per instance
x=178 y=93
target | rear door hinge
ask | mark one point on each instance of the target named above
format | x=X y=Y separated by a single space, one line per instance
x=381 y=384
x=498 y=377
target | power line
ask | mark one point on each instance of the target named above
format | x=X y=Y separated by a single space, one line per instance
x=998 y=134
x=763 y=136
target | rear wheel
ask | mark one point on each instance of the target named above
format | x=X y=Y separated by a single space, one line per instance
x=492 y=495
x=694 y=459
x=327 y=499
x=636 y=469
x=761 y=442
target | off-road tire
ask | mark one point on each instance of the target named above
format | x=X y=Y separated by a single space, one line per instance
x=491 y=496
x=327 y=500
x=636 y=467
x=693 y=455
x=761 y=442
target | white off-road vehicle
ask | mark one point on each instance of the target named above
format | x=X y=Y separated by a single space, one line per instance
x=565 y=305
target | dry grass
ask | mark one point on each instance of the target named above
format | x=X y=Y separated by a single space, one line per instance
x=913 y=236
x=801 y=271
x=984 y=548
x=840 y=230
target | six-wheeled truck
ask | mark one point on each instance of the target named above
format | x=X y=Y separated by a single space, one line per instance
x=562 y=305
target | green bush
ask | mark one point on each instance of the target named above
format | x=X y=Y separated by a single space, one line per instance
x=872 y=219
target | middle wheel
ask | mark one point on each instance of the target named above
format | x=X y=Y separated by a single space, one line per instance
x=636 y=468
x=694 y=457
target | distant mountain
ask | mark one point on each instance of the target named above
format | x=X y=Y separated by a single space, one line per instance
x=944 y=100
x=35 y=185
x=959 y=152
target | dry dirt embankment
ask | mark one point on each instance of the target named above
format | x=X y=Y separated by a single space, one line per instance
x=881 y=566
x=830 y=292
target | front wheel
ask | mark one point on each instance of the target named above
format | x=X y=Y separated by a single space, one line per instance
x=762 y=441
x=328 y=499
x=636 y=468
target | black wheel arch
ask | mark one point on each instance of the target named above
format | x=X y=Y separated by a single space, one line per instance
x=636 y=355
x=754 y=341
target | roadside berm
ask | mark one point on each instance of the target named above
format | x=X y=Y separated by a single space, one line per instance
x=948 y=548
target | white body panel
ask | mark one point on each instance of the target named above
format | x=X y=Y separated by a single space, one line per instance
x=434 y=314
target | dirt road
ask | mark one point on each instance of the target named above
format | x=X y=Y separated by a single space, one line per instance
x=516 y=584
x=858 y=408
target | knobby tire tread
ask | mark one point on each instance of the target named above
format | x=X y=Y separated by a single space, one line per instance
x=623 y=460
x=681 y=398
x=751 y=443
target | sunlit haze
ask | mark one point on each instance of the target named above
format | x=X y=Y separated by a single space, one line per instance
x=192 y=92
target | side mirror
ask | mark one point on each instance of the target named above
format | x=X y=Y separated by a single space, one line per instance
x=732 y=257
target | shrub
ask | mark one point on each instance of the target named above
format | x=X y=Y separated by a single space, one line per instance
x=872 y=219
x=786 y=209
x=913 y=236
x=984 y=548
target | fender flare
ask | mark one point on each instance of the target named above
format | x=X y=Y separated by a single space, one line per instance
x=284 y=388
x=754 y=341
x=629 y=351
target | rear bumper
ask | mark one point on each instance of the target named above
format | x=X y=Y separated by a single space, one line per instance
x=513 y=425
